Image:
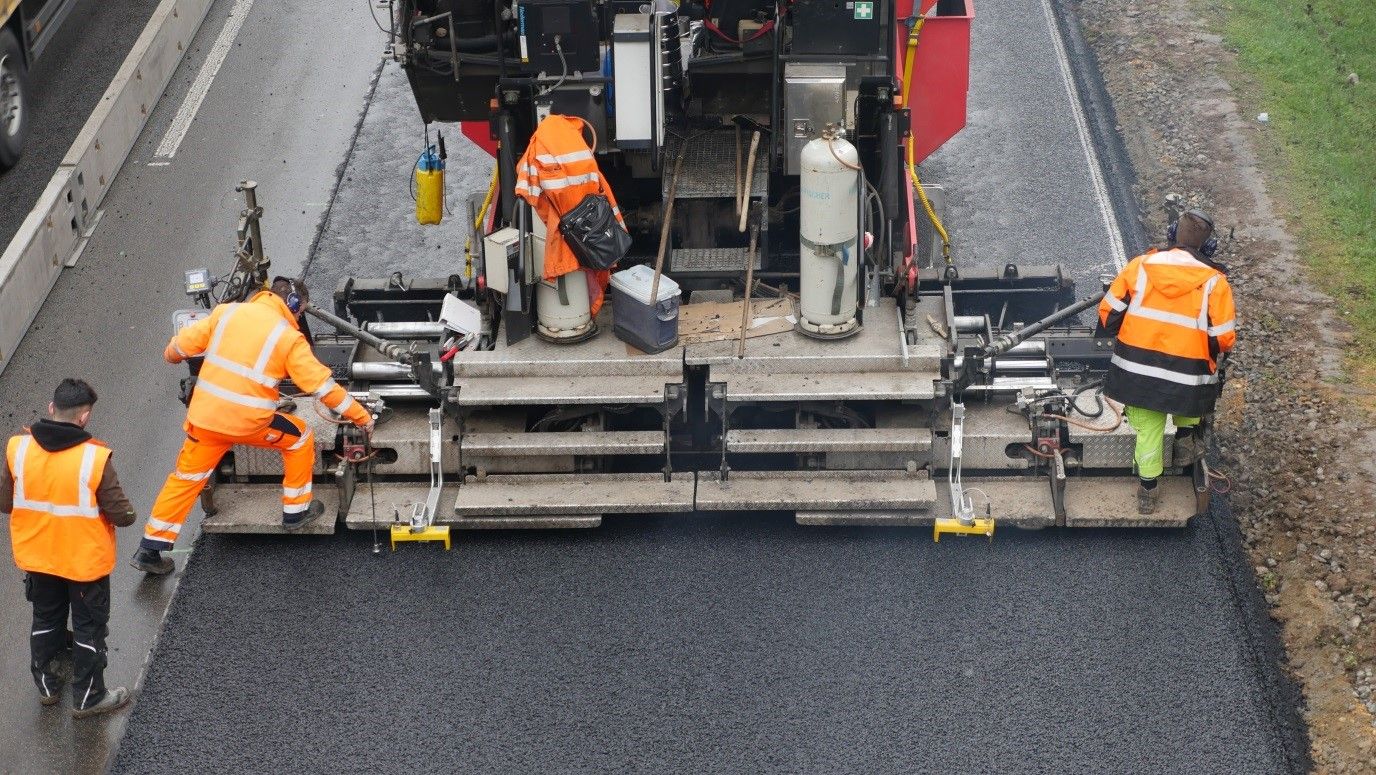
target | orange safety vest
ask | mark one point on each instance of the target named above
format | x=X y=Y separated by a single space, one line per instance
x=56 y=526
x=1173 y=315
x=249 y=349
x=557 y=170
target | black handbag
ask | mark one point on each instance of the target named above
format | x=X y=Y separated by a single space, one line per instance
x=592 y=232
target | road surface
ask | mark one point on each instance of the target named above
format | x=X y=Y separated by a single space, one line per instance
x=652 y=644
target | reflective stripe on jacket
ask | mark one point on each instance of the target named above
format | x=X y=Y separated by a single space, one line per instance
x=557 y=170
x=1172 y=313
x=56 y=526
x=249 y=348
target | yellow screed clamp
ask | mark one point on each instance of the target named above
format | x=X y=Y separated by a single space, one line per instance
x=983 y=526
x=402 y=532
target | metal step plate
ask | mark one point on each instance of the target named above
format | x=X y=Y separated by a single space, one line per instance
x=878 y=347
x=1112 y=502
x=601 y=356
x=882 y=386
x=814 y=490
x=1026 y=503
x=257 y=508
x=711 y=259
x=826 y=440
x=571 y=443
x=540 y=494
x=398 y=498
x=548 y=522
x=516 y=391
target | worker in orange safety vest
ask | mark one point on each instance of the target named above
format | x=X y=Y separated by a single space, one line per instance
x=249 y=348
x=64 y=500
x=1172 y=314
x=556 y=171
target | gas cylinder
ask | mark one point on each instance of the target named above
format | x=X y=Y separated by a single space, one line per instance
x=563 y=311
x=429 y=187
x=829 y=257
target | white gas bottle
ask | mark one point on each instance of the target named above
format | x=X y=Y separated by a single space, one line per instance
x=561 y=315
x=828 y=223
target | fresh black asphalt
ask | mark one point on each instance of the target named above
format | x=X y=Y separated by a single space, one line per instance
x=709 y=643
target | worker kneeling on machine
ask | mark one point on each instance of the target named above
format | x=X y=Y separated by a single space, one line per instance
x=1172 y=315
x=248 y=348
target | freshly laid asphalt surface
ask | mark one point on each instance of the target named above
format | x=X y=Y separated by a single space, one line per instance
x=711 y=643
x=689 y=643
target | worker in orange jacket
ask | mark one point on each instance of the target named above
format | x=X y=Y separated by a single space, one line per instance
x=248 y=348
x=1172 y=314
x=556 y=171
x=64 y=500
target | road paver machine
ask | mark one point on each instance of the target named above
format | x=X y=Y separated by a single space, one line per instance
x=835 y=359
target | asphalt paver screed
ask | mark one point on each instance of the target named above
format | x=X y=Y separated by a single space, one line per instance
x=715 y=643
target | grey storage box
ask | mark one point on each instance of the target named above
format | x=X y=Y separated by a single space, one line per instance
x=651 y=327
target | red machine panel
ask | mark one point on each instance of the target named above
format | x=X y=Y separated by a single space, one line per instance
x=941 y=74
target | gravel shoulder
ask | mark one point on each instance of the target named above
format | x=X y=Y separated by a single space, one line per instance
x=1293 y=432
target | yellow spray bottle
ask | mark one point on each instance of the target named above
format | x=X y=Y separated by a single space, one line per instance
x=430 y=185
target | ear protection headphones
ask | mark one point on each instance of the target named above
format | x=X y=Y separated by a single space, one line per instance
x=1210 y=246
x=296 y=296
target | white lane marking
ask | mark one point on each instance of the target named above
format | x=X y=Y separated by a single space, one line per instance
x=1096 y=173
x=201 y=86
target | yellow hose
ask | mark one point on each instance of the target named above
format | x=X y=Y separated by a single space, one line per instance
x=912 y=165
x=478 y=224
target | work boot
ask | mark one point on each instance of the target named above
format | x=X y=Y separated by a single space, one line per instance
x=302 y=518
x=49 y=695
x=57 y=674
x=1189 y=448
x=114 y=699
x=152 y=562
x=1147 y=499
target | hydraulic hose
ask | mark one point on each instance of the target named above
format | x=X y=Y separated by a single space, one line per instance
x=478 y=221
x=1006 y=342
x=390 y=349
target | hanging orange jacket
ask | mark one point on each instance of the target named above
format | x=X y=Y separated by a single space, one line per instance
x=249 y=348
x=56 y=526
x=1173 y=315
x=557 y=170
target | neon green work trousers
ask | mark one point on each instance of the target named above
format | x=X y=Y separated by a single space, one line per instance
x=1150 y=426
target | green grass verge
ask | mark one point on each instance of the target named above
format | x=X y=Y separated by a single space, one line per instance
x=1298 y=54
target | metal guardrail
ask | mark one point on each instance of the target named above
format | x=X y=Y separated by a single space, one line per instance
x=65 y=214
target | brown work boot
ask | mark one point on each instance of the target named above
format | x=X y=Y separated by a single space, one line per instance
x=1147 y=499
x=1189 y=449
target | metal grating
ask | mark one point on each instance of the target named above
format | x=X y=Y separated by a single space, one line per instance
x=710 y=259
x=709 y=167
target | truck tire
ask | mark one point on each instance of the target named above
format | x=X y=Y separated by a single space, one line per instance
x=14 y=113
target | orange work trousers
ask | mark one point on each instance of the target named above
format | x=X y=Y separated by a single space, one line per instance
x=201 y=453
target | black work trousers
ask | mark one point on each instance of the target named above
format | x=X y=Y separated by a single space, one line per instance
x=88 y=603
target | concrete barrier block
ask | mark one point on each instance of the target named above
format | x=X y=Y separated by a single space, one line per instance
x=35 y=256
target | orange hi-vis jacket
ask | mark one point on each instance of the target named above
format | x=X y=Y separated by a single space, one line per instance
x=1173 y=315
x=249 y=348
x=557 y=170
x=56 y=526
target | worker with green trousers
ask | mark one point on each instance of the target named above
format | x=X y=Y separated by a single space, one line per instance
x=1172 y=317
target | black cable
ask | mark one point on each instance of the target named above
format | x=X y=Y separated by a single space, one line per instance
x=373 y=13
